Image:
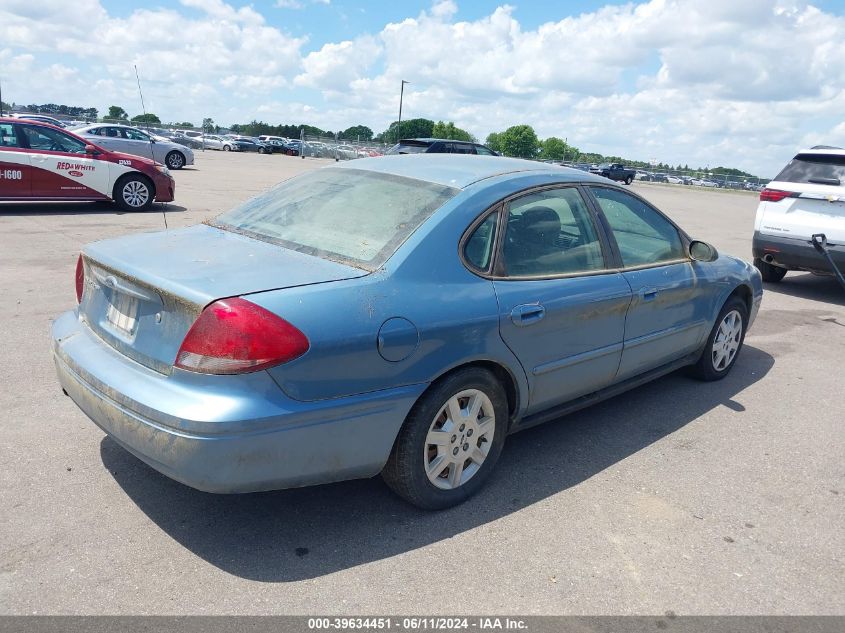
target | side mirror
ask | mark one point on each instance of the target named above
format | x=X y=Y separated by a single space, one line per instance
x=91 y=149
x=702 y=251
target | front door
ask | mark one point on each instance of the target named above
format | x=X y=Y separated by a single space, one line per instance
x=668 y=315
x=61 y=168
x=561 y=310
x=15 y=170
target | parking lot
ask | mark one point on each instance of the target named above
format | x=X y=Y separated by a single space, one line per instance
x=718 y=498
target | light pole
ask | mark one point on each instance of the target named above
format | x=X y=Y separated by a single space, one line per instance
x=401 y=95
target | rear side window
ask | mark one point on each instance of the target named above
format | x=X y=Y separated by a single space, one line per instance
x=478 y=249
x=643 y=235
x=135 y=135
x=348 y=215
x=820 y=169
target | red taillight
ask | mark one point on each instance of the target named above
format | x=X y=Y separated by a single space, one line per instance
x=80 y=279
x=775 y=195
x=235 y=336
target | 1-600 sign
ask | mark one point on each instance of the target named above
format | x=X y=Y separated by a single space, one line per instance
x=11 y=174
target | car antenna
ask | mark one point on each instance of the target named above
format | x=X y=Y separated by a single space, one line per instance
x=152 y=152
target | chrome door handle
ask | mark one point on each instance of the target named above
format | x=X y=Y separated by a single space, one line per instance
x=527 y=314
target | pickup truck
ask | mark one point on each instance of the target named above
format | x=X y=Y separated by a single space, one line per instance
x=615 y=171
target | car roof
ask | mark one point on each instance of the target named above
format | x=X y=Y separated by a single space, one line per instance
x=462 y=170
x=9 y=119
x=435 y=140
x=824 y=149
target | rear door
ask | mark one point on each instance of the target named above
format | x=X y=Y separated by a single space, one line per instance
x=669 y=309
x=61 y=168
x=561 y=305
x=15 y=170
x=816 y=183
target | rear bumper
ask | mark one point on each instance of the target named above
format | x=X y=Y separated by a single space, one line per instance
x=226 y=433
x=795 y=254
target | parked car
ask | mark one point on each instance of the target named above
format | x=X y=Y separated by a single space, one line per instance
x=192 y=142
x=40 y=162
x=308 y=333
x=675 y=180
x=806 y=198
x=246 y=144
x=616 y=171
x=131 y=140
x=438 y=146
x=213 y=141
x=43 y=118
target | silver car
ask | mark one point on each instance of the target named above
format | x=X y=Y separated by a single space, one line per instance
x=130 y=140
x=213 y=141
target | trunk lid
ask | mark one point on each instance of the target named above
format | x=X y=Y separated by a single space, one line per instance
x=817 y=209
x=143 y=292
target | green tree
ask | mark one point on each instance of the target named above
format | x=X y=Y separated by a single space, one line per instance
x=520 y=141
x=149 y=117
x=208 y=125
x=185 y=124
x=412 y=128
x=449 y=131
x=116 y=112
x=494 y=141
x=357 y=132
x=554 y=148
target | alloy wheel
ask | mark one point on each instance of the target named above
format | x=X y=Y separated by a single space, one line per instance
x=727 y=340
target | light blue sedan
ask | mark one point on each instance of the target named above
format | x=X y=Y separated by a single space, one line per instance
x=398 y=315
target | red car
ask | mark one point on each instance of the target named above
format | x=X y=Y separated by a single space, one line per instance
x=41 y=162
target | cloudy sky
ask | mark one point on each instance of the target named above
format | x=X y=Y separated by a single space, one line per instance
x=704 y=82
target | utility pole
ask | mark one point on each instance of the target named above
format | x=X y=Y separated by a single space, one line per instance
x=1 y=99
x=401 y=95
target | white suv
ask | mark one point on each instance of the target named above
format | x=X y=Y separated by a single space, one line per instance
x=806 y=198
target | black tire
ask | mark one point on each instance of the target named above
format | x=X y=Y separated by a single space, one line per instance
x=405 y=471
x=175 y=160
x=134 y=192
x=261 y=150
x=629 y=180
x=707 y=368
x=227 y=148
x=770 y=273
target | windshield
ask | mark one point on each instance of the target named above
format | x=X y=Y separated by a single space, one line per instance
x=348 y=215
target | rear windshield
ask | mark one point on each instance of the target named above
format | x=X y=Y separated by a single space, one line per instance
x=820 y=169
x=348 y=215
x=409 y=148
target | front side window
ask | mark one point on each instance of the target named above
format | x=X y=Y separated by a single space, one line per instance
x=550 y=233
x=483 y=151
x=42 y=138
x=136 y=135
x=348 y=215
x=643 y=235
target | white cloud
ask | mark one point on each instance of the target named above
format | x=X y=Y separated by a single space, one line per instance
x=693 y=81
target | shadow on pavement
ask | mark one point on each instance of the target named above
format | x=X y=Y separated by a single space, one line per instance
x=77 y=208
x=305 y=533
x=809 y=286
